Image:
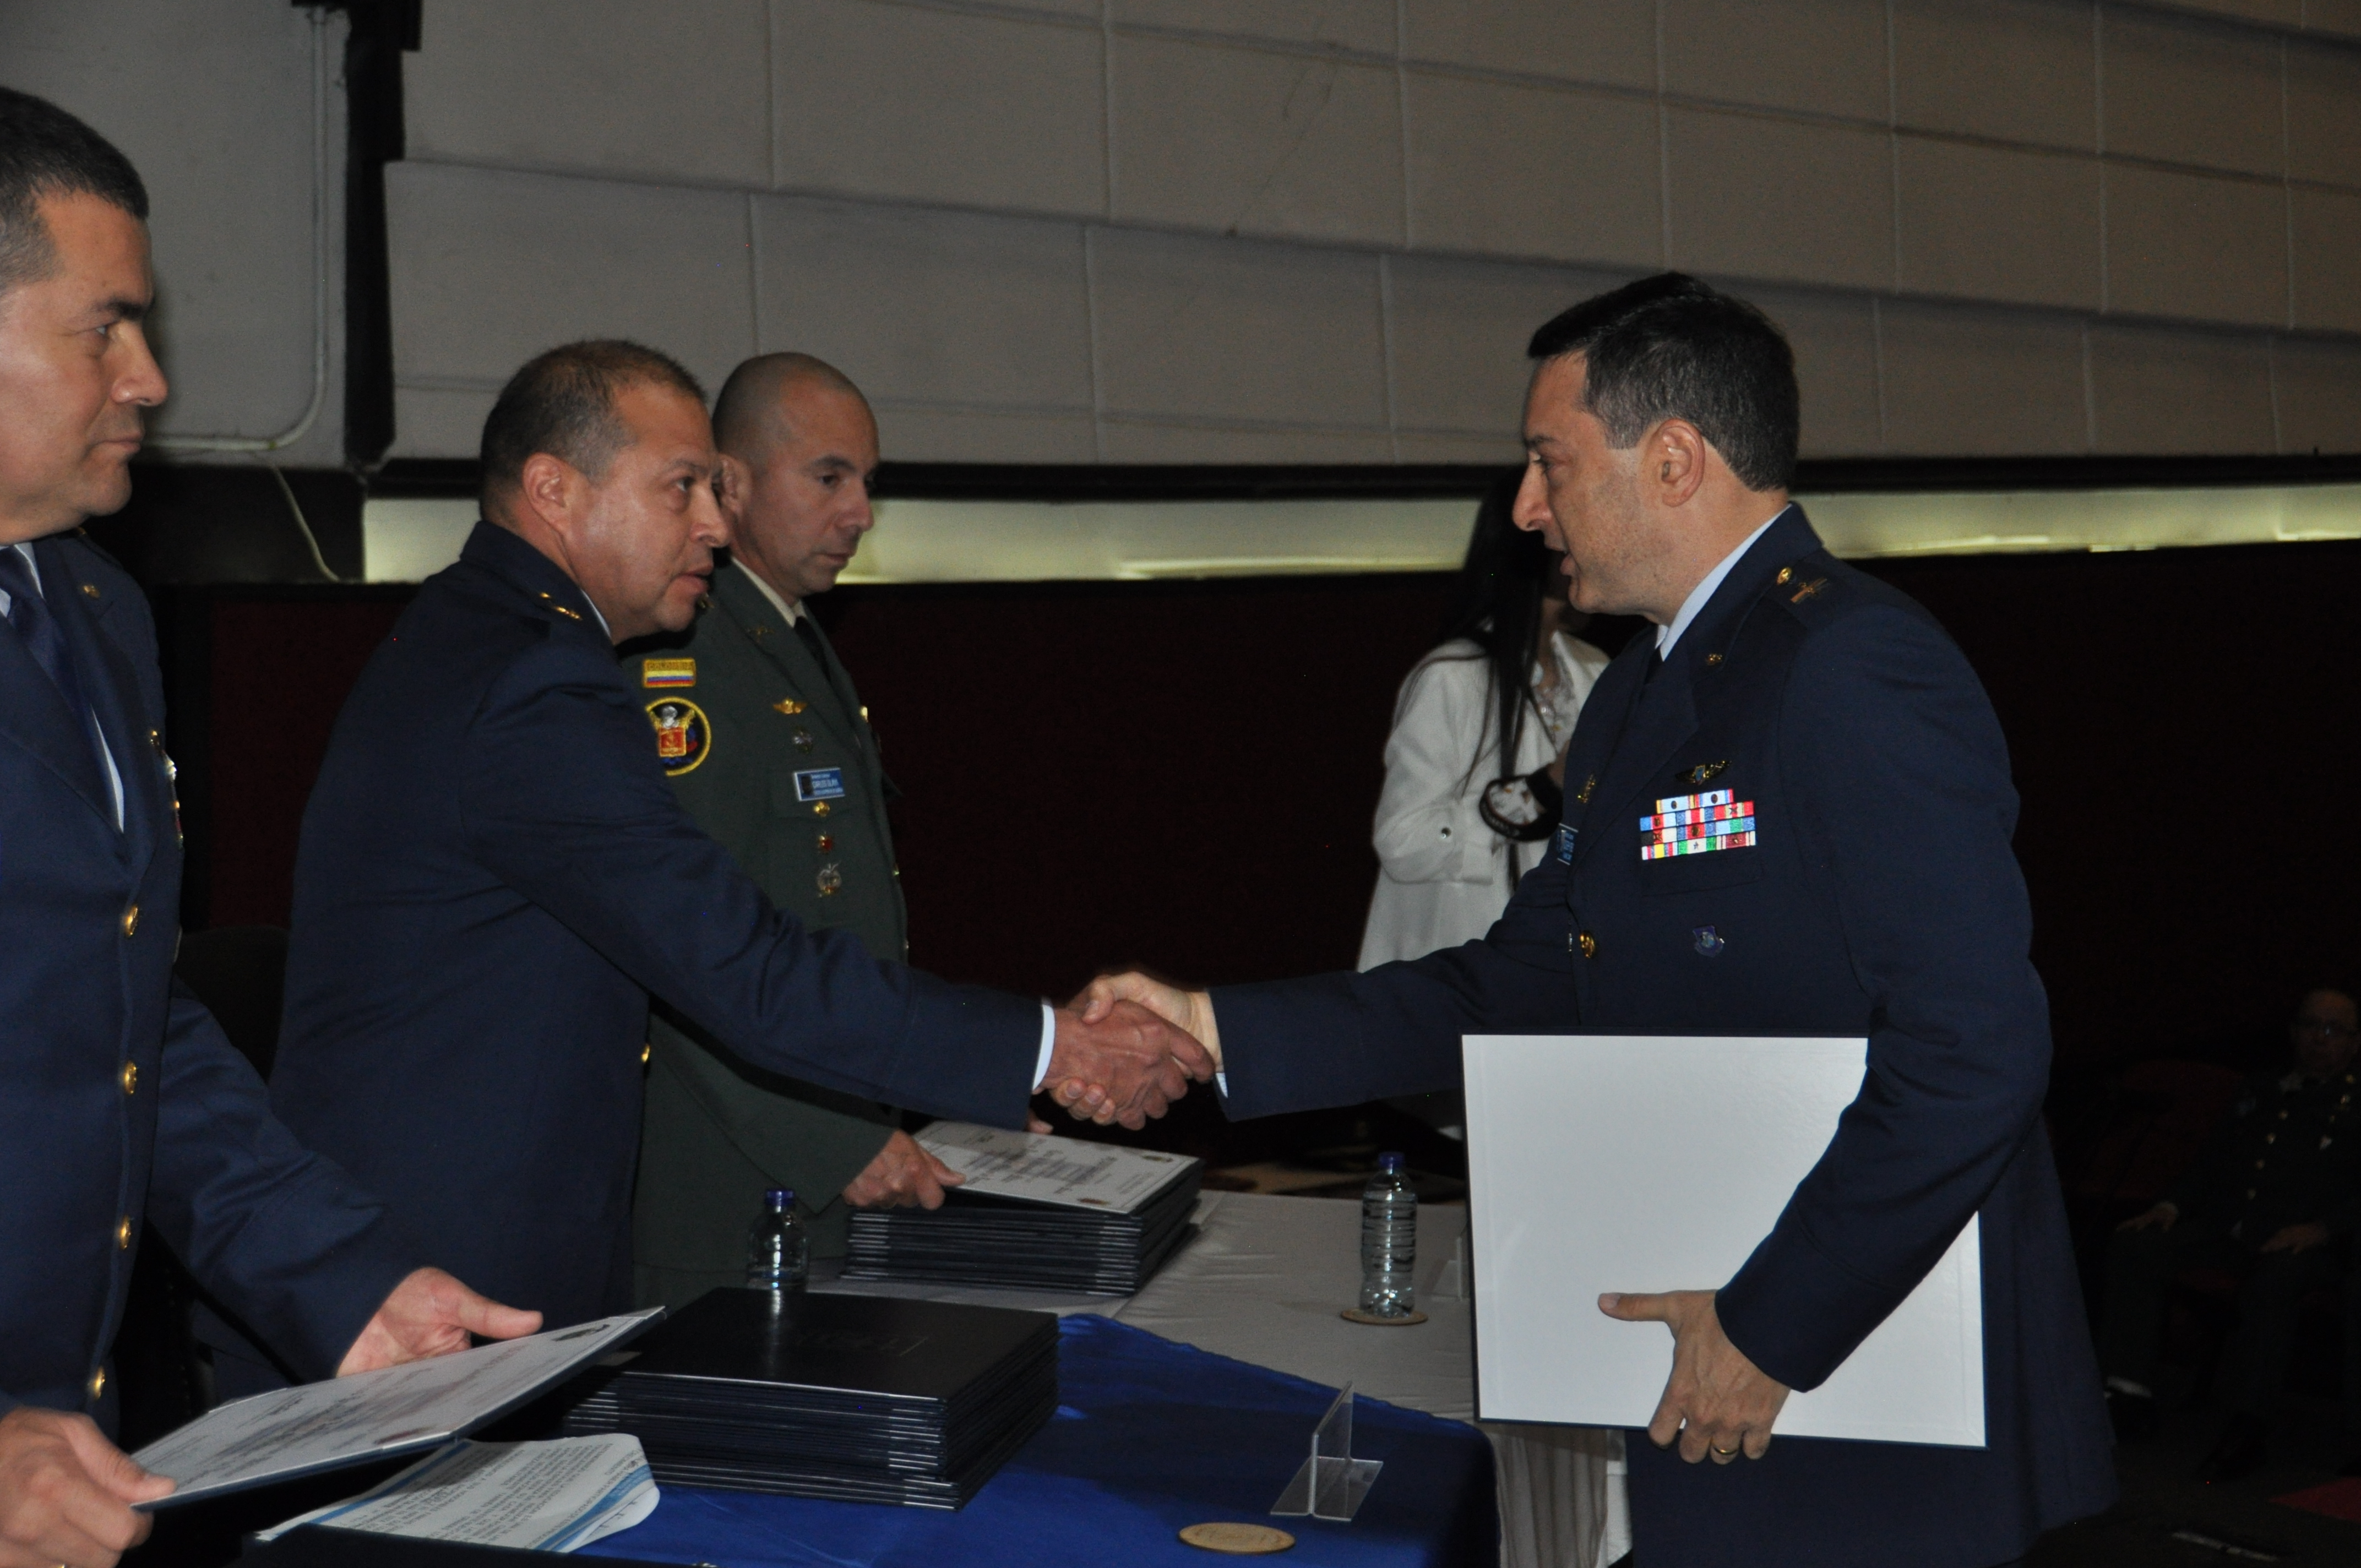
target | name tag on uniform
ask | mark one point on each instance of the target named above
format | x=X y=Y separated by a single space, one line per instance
x=820 y=783
x=1565 y=845
x=1696 y=825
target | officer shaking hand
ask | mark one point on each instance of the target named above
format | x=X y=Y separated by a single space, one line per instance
x=494 y=876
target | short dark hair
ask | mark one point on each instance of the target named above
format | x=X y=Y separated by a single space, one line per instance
x=44 y=151
x=562 y=402
x=1671 y=348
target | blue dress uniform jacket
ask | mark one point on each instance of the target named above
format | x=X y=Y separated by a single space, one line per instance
x=119 y=1097
x=1879 y=897
x=493 y=875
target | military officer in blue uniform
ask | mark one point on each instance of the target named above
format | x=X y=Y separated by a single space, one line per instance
x=786 y=775
x=1788 y=811
x=120 y=1100
x=494 y=873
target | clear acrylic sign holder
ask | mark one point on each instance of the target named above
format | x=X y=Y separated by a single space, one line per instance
x=1331 y=1483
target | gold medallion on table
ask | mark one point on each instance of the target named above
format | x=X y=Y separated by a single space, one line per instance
x=1237 y=1540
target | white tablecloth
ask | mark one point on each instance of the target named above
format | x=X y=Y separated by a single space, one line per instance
x=1264 y=1281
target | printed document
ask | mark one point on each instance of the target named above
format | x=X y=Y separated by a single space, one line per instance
x=372 y=1415
x=1648 y=1163
x=1045 y=1168
x=534 y=1497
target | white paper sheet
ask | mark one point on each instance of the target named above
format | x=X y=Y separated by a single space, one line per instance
x=1603 y=1163
x=395 y=1410
x=1046 y=1168
x=534 y=1497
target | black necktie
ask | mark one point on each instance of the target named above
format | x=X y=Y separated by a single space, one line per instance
x=46 y=640
x=809 y=634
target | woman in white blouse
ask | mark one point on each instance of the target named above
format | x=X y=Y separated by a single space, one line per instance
x=1474 y=763
x=1475 y=779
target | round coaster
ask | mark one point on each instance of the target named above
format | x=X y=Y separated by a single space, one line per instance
x=1355 y=1315
x=1237 y=1540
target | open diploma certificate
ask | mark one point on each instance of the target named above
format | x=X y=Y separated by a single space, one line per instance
x=1646 y=1163
x=372 y=1415
x=1045 y=1168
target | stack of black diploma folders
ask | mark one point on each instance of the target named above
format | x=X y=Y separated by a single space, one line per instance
x=858 y=1397
x=1036 y=1213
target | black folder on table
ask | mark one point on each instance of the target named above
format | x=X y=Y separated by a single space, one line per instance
x=979 y=1238
x=861 y=1398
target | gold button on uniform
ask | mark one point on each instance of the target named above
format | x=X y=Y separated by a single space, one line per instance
x=131 y=921
x=1787 y=574
x=131 y=1077
x=98 y=1383
x=1588 y=944
x=122 y=1232
x=819 y=808
x=1711 y=660
x=90 y=590
x=647 y=1049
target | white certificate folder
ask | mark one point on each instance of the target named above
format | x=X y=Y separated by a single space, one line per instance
x=1647 y=1163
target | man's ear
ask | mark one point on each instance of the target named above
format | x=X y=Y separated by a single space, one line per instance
x=731 y=480
x=1673 y=462
x=551 y=488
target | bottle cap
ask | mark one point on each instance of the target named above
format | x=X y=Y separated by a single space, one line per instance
x=780 y=1199
x=1389 y=1162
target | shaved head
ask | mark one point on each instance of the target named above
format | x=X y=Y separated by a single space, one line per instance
x=799 y=449
x=751 y=415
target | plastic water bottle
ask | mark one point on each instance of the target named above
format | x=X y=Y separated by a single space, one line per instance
x=1388 y=1241
x=778 y=1249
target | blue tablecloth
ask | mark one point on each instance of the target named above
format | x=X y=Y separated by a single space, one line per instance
x=1150 y=1436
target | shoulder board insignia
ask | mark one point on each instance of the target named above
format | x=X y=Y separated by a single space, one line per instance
x=1705 y=772
x=684 y=738
x=1807 y=590
x=789 y=707
x=668 y=672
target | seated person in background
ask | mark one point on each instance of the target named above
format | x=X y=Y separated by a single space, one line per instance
x=793 y=787
x=2275 y=1185
x=1474 y=768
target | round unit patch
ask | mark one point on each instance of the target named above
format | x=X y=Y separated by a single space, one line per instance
x=683 y=735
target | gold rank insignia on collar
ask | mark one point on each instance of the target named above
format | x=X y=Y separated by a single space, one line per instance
x=1705 y=772
x=568 y=614
x=1582 y=797
x=789 y=707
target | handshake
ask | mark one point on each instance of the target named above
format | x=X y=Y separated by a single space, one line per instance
x=1127 y=1046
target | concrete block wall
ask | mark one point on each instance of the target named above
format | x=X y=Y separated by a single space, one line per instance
x=1276 y=230
x=213 y=100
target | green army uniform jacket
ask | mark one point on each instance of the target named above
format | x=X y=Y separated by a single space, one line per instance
x=773 y=755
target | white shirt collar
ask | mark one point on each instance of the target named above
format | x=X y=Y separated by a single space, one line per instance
x=792 y=608
x=1703 y=593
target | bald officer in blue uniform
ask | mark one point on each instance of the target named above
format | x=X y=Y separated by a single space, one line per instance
x=119 y=1099
x=494 y=874
x=1873 y=893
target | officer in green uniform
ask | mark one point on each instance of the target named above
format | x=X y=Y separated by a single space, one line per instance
x=770 y=749
x=2272 y=1199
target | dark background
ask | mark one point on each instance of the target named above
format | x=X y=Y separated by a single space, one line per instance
x=1183 y=774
